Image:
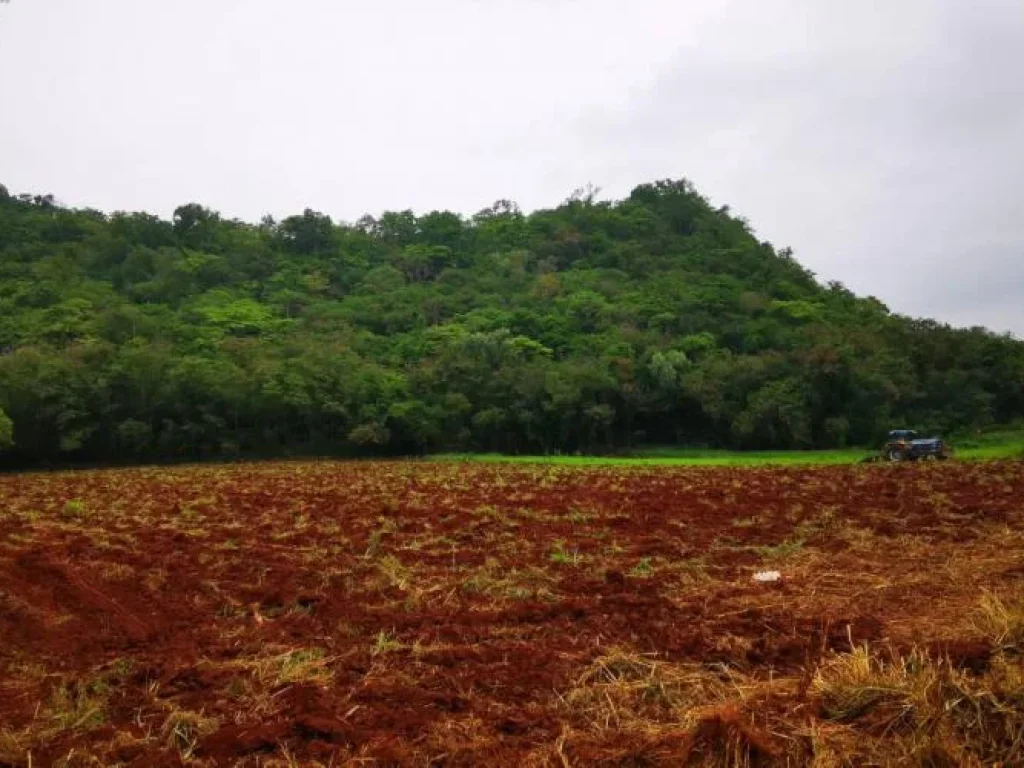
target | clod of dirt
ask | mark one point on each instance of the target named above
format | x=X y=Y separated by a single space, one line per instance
x=615 y=577
x=321 y=728
x=239 y=740
x=308 y=602
x=512 y=727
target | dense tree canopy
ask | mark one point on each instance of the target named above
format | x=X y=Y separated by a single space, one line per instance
x=6 y=432
x=591 y=326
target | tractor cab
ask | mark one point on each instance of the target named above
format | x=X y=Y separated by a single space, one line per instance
x=902 y=435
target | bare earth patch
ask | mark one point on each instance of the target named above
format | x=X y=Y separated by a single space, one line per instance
x=326 y=613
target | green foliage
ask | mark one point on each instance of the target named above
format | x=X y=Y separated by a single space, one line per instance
x=6 y=431
x=642 y=569
x=562 y=556
x=591 y=327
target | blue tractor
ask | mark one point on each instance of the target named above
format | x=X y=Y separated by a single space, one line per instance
x=905 y=445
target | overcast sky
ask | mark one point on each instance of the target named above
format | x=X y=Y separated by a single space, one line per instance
x=882 y=141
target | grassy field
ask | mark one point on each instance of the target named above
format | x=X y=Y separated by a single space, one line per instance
x=996 y=444
x=683 y=457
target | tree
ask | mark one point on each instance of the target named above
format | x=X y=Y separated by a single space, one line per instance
x=308 y=234
x=195 y=226
x=776 y=416
x=6 y=432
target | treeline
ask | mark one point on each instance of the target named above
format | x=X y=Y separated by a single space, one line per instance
x=593 y=326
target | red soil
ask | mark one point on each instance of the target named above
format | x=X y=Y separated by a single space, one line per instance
x=449 y=606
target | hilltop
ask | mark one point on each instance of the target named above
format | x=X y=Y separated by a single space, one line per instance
x=594 y=326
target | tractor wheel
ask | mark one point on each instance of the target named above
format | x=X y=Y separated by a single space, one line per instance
x=894 y=454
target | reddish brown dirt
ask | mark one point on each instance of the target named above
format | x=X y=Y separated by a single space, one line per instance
x=445 y=610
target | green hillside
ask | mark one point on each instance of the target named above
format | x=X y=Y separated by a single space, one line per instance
x=593 y=326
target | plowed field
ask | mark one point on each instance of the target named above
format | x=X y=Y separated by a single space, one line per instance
x=458 y=614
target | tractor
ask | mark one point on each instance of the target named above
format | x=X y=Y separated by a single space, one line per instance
x=905 y=445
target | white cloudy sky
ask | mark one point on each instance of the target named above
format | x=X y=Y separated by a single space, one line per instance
x=884 y=142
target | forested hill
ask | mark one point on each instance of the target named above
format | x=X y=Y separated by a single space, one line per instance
x=590 y=326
